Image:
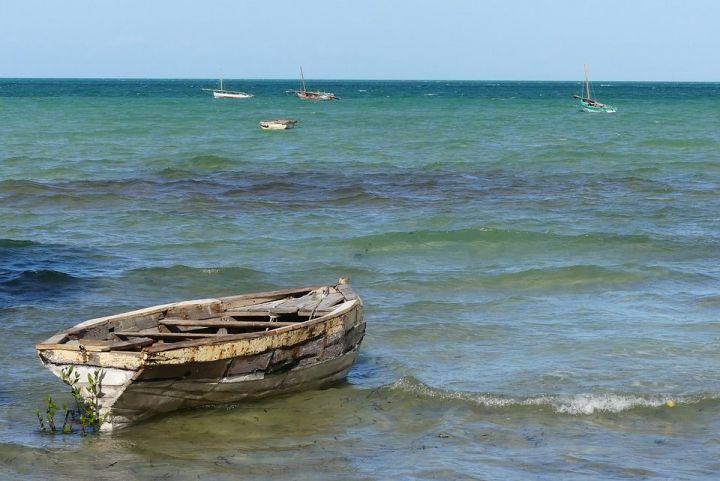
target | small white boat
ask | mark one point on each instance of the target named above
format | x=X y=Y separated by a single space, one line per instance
x=280 y=124
x=221 y=93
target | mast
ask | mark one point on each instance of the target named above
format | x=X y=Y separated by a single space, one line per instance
x=304 y=89
x=587 y=82
x=221 y=84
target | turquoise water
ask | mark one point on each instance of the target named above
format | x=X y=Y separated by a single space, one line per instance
x=538 y=282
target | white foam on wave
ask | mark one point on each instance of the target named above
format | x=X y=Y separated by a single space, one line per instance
x=576 y=404
x=611 y=403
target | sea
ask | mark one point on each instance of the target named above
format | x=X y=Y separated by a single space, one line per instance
x=541 y=285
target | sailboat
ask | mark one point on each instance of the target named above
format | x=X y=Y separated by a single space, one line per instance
x=221 y=93
x=587 y=103
x=306 y=94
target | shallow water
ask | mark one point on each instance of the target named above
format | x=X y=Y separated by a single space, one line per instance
x=538 y=282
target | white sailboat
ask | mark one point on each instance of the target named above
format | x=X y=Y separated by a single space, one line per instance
x=221 y=93
x=306 y=94
x=587 y=103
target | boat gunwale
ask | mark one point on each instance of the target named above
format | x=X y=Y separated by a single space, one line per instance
x=53 y=344
x=171 y=353
x=99 y=321
x=341 y=309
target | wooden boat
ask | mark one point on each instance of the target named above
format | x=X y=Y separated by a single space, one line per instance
x=587 y=103
x=280 y=124
x=221 y=93
x=213 y=351
x=306 y=94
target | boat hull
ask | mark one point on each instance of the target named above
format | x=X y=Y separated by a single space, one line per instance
x=168 y=377
x=148 y=396
x=277 y=124
x=316 y=96
x=596 y=108
x=231 y=95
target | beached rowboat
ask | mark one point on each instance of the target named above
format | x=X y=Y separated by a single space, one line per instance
x=213 y=351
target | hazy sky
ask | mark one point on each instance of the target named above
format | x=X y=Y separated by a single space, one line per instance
x=366 y=39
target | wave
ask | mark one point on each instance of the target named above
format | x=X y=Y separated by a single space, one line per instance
x=180 y=270
x=35 y=286
x=583 y=404
x=34 y=279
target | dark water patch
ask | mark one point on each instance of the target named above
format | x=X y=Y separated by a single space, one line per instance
x=22 y=187
x=35 y=272
x=36 y=286
x=16 y=243
x=558 y=280
x=709 y=301
x=213 y=163
x=193 y=282
x=482 y=235
x=174 y=173
x=19 y=256
x=425 y=188
x=684 y=143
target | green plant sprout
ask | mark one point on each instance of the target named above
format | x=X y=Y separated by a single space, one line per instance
x=87 y=408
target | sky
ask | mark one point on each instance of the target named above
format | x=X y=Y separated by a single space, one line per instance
x=668 y=40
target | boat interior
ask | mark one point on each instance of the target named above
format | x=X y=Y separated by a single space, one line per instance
x=201 y=319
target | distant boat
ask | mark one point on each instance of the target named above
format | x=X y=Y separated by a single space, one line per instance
x=221 y=93
x=587 y=103
x=280 y=124
x=306 y=94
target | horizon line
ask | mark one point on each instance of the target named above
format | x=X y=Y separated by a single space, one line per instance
x=353 y=79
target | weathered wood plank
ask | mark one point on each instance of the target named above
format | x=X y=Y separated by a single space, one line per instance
x=347 y=291
x=247 y=364
x=273 y=307
x=261 y=311
x=221 y=322
x=57 y=338
x=246 y=313
x=165 y=335
x=95 y=342
x=129 y=345
x=245 y=344
x=297 y=302
x=195 y=309
x=66 y=346
x=354 y=336
x=195 y=343
x=192 y=370
x=330 y=301
x=270 y=294
x=113 y=359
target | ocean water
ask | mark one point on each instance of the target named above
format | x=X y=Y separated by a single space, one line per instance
x=539 y=283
